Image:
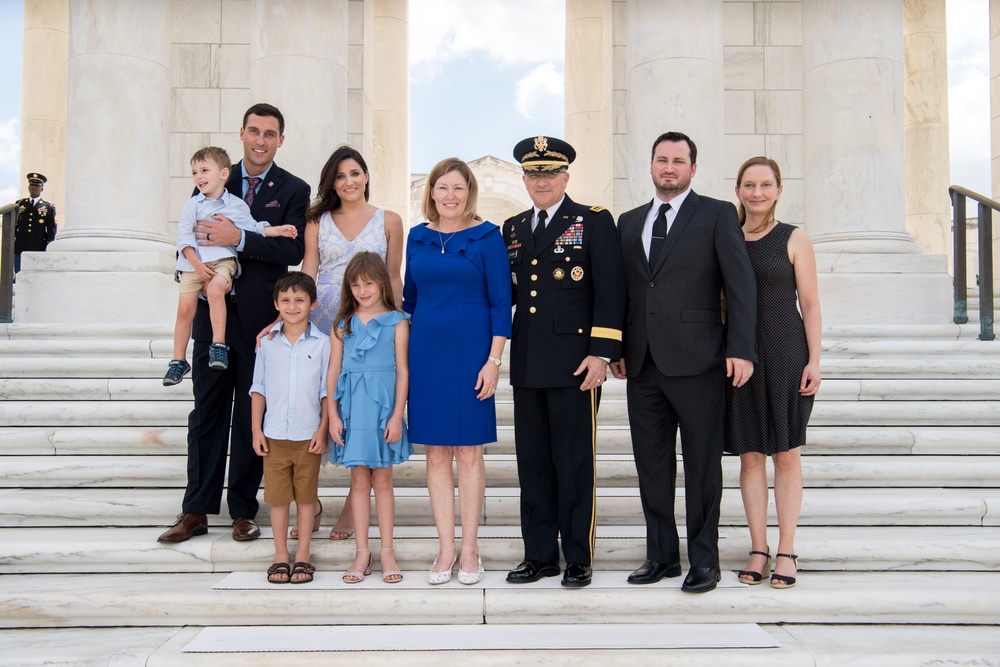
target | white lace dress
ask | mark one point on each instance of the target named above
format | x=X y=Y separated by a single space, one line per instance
x=335 y=251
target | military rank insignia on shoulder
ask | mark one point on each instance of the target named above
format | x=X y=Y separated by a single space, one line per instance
x=597 y=209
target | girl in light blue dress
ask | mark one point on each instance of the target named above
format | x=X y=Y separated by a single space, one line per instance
x=367 y=386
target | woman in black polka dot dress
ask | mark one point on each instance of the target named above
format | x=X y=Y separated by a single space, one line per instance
x=768 y=415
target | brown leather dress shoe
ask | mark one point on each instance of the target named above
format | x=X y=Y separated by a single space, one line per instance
x=245 y=529
x=187 y=526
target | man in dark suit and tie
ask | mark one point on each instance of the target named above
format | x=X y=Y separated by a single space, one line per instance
x=278 y=197
x=682 y=251
x=569 y=296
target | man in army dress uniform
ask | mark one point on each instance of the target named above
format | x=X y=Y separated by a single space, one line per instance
x=569 y=296
x=36 y=220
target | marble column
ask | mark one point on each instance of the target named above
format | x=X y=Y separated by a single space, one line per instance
x=43 y=97
x=390 y=161
x=871 y=269
x=298 y=62
x=675 y=82
x=925 y=113
x=115 y=243
x=588 y=88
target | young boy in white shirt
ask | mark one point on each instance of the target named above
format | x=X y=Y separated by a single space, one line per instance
x=289 y=420
x=209 y=270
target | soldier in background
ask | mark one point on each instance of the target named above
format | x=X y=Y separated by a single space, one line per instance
x=36 y=220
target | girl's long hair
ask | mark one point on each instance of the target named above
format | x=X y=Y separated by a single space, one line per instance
x=368 y=265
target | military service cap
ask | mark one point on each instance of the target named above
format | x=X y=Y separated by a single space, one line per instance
x=537 y=154
x=36 y=179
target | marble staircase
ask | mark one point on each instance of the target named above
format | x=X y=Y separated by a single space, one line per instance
x=899 y=537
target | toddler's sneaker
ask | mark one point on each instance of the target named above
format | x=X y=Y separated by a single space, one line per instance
x=218 y=356
x=175 y=372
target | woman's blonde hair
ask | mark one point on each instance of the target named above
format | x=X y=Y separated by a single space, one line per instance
x=447 y=166
x=762 y=161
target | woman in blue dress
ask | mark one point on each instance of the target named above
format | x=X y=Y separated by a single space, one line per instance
x=457 y=289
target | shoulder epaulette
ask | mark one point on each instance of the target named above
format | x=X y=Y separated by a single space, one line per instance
x=597 y=209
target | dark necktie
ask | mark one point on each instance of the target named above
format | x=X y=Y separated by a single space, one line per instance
x=659 y=233
x=540 y=227
x=253 y=181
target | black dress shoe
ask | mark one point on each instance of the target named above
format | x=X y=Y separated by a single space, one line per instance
x=701 y=579
x=652 y=571
x=245 y=529
x=577 y=575
x=187 y=526
x=532 y=570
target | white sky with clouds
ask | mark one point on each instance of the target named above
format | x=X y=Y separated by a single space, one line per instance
x=488 y=73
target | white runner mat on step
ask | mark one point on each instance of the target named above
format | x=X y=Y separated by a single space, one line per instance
x=331 y=580
x=281 y=639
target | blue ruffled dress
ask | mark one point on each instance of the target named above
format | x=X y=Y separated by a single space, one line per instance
x=366 y=395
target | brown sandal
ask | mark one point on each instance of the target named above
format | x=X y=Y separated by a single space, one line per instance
x=279 y=573
x=302 y=568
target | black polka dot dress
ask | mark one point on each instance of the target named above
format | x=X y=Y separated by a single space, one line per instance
x=767 y=414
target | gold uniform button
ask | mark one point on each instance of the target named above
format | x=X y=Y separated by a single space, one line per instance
x=567 y=259
x=534 y=277
x=579 y=330
x=531 y=310
x=534 y=293
x=534 y=262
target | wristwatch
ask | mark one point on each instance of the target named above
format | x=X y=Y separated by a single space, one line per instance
x=495 y=360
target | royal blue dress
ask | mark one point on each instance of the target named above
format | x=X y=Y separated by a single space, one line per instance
x=459 y=299
x=366 y=394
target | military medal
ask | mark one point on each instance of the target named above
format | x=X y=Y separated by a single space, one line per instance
x=558 y=274
x=577 y=273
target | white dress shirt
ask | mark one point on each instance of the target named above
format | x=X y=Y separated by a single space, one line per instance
x=647 y=227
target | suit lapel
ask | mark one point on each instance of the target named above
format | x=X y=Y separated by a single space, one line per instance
x=268 y=189
x=677 y=228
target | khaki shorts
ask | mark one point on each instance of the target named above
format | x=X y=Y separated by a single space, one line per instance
x=192 y=282
x=290 y=472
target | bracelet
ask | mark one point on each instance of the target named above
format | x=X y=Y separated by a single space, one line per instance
x=495 y=360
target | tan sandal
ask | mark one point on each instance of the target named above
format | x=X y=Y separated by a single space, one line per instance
x=294 y=532
x=357 y=576
x=390 y=576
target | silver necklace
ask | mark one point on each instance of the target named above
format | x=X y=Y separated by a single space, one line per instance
x=443 y=240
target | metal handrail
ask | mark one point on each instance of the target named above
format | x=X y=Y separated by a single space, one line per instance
x=8 y=215
x=958 y=196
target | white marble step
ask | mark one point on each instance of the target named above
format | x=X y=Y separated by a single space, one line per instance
x=100 y=600
x=823 y=440
x=152 y=389
x=102 y=362
x=801 y=646
x=28 y=507
x=612 y=412
x=821 y=548
x=501 y=470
